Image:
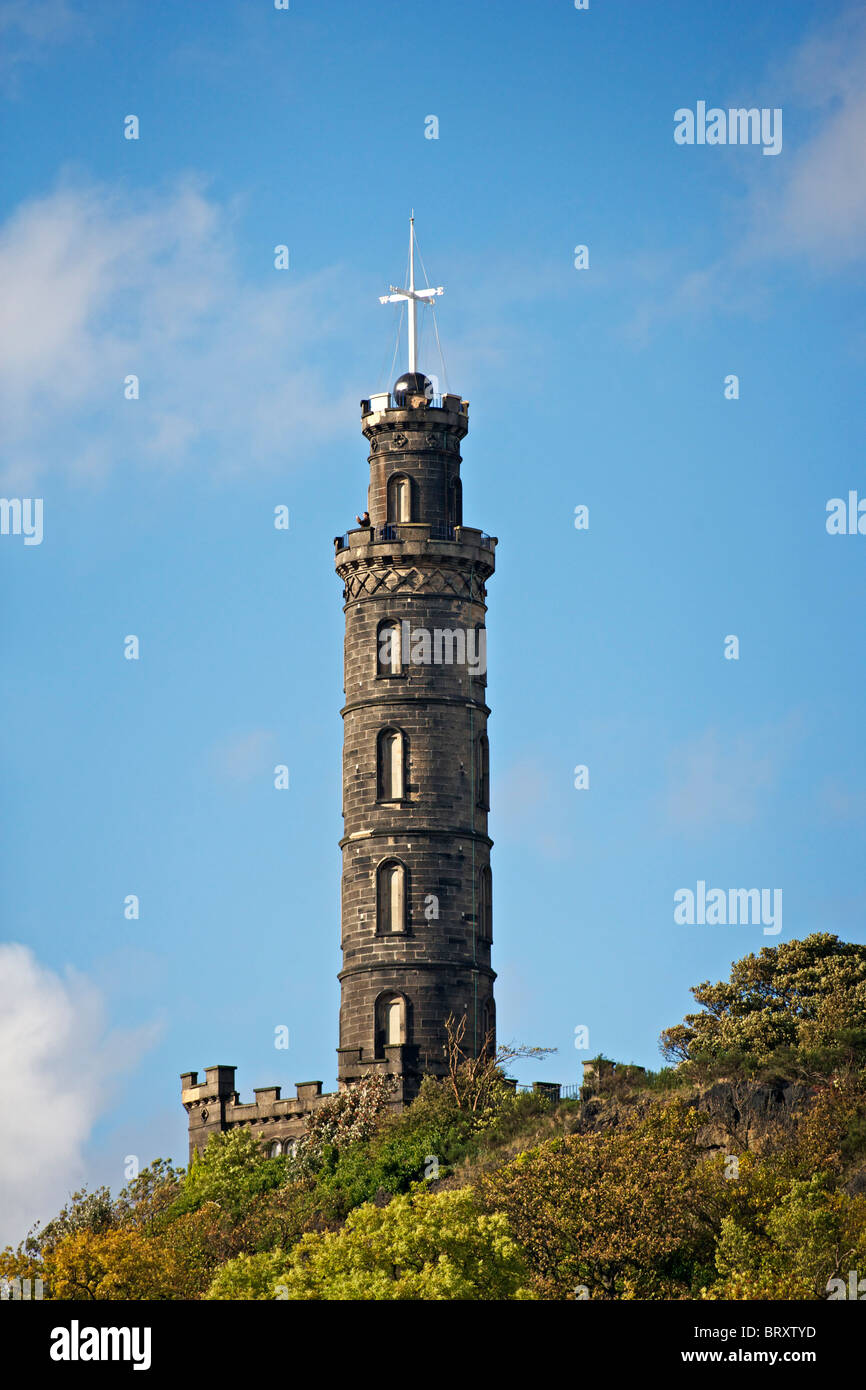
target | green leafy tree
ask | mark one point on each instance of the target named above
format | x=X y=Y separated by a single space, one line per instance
x=232 y=1168
x=812 y=1235
x=423 y=1245
x=249 y=1277
x=800 y=997
x=146 y=1201
x=615 y=1213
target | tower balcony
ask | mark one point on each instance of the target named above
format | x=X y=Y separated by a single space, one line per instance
x=386 y=400
x=412 y=533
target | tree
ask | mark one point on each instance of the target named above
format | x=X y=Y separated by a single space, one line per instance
x=423 y=1245
x=146 y=1201
x=348 y=1117
x=477 y=1082
x=803 y=996
x=112 y=1264
x=231 y=1169
x=249 y=1277
x=811 y=1236
x=614 y=1212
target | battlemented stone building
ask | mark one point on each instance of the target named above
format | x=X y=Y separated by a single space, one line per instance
x=416 y=880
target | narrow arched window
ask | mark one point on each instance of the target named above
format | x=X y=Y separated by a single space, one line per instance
x=275 y=1150
x=399 y=498
x=488 y=1041
x=391 y=896
x=483 y=773
x=456 y=504
x=485 y=904
x=390 y=1022
x=389 y=656
x=394 y=1022
x=478 y=663
x=390 y=763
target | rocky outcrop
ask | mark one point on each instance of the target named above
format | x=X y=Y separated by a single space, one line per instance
x=739 y=1114
x=750 y=1115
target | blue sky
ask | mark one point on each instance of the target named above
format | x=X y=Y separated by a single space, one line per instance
x=602 y=387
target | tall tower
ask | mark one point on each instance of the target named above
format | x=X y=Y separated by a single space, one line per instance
x=416 y=881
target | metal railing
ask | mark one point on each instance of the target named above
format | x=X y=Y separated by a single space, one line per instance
x=391 y=531
x=400 y=400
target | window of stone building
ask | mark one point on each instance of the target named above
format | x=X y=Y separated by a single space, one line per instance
x=489 y=1023
x=483 y=773
x=275 y=1149
x=480 y=654
x=394 y=1022
x=390 y=1022
x=389 y=656
x=390 y=765
x=485 y=914
x=455 y=509
x=399 y=498
x=391 y=896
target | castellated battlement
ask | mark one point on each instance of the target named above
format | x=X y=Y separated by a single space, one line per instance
x=213 y=1105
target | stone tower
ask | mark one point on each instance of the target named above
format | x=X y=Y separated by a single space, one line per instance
x=416 y=886
x=416 y=881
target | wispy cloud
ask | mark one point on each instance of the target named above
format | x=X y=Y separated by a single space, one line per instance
x=57 y=1066
x=98 y=286
x=806 y=208
x=29 y=30
x=820 y=210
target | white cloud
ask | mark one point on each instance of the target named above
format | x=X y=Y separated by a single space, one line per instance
x=806 y=208
x=57 y=1065
x=96 y=286
x=821 y=209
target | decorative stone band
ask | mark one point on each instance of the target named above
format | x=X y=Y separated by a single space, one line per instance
x=371 y=581
x=442 y=441
x=414 y=700
x=417 y=831
x=390 y=967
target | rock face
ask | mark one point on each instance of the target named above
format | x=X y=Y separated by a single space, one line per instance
x=750 y=1115
x=740 y=1114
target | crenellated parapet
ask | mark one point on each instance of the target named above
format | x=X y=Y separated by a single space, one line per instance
x=214 y=1106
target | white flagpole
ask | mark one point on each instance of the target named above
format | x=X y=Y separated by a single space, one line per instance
x=413 y=321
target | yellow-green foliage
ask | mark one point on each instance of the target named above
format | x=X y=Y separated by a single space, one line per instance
x=422 y=1245
x=633 y=1209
